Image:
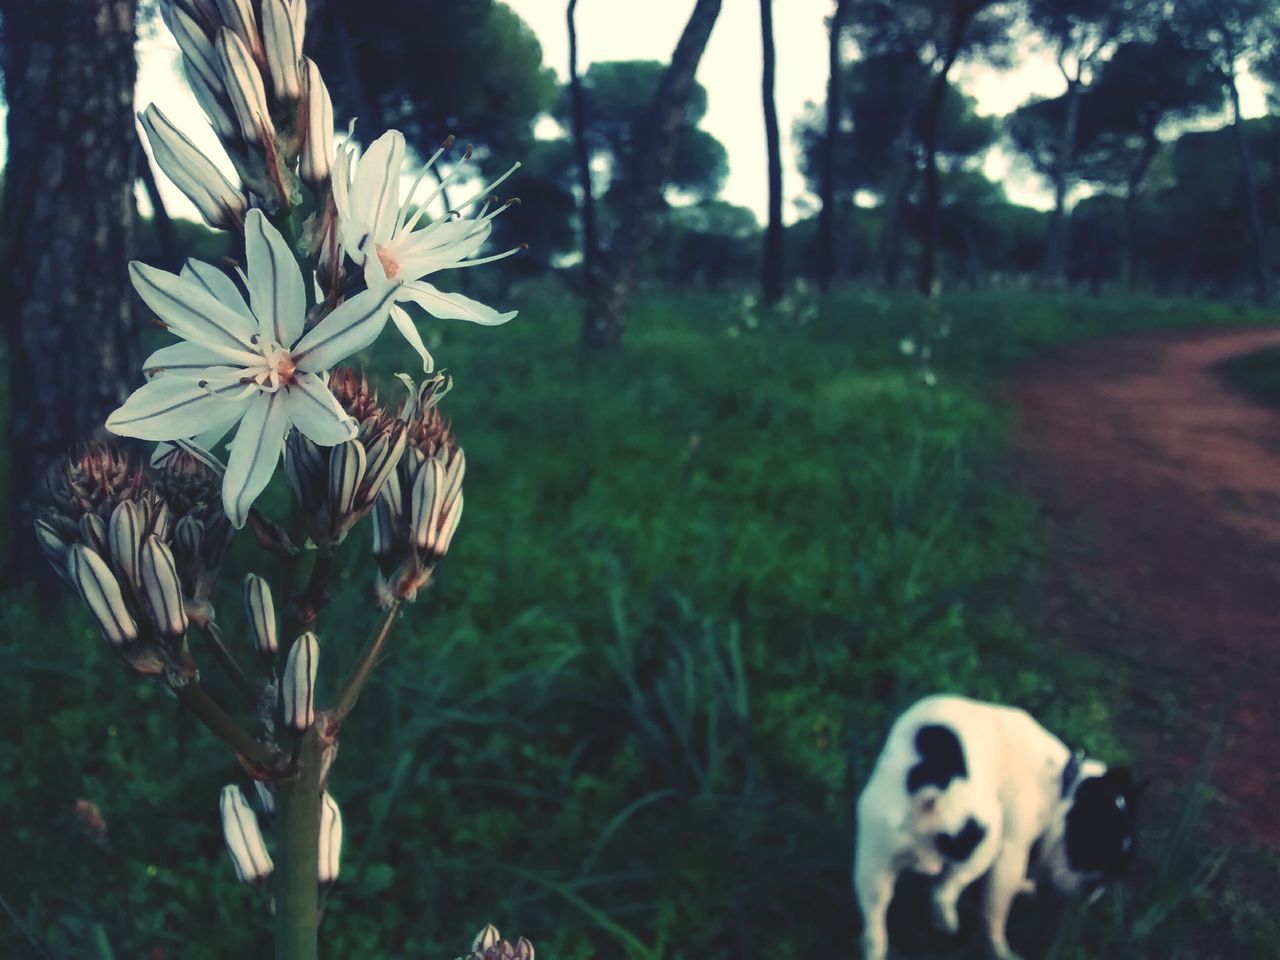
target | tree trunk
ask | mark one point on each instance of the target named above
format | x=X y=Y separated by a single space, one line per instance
x=771 y=263
x=1056 y=262
x=827 y=215
x=1131 y=225
x=933 y=109
x=890 y=243
x=578 y=112
x=68 y=223
x=605 y=318
x=1262 y=286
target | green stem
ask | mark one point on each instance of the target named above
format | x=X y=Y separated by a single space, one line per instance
x=212 y=634
x=210 y=713
x=297 y=868
x=364 y=666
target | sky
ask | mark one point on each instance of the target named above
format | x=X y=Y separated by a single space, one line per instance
x=730 y=70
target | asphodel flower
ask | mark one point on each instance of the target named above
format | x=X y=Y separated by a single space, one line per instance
x=330 y=839
x=221 y=203
x=387 y=237
x=246 y=363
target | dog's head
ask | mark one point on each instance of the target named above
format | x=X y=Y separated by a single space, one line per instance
x=1095 y=836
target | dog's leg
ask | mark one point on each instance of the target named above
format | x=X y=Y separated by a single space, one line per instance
x=963 y=873
x=873 y=879
x=1008 y=875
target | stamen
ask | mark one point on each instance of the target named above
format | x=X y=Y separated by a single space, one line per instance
x=453 y=174
x=485 y=191
x=497 y=256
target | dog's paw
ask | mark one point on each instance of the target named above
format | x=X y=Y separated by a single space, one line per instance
x=945 y=917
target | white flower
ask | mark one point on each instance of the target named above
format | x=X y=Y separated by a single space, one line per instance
x=383 y=234
x=250 y=364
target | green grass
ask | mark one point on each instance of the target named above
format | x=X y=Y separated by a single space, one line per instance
x=695 y=581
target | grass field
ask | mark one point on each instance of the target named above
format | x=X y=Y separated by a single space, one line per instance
x=695 y=581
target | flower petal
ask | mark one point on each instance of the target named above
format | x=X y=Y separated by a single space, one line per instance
x=375 y=195
x=404 y=323
x=349 y=329
x=314 y=410
x=191 y=311
x=276 y=294
x=220 y=286
x=192 y=360
x=255 y=451
x=174 y=408
x=451 y=306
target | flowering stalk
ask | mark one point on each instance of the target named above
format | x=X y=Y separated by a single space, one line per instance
x=298 y=804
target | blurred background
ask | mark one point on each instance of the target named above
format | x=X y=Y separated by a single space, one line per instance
x=866 y=349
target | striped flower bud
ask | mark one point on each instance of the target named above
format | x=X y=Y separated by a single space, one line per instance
x=384 y=534
x=316 y=160
x=93 y=531
x=216 y=106
x=188 y=536
x=243 y=82
x=297 y=686
x=124 y=538
x=283 y=45
x=330 y=838
x=442 y=534
x=266 y=798
x=237 y=15
x=52 y=544
x=161 y=589
x=306 y=469
x=243 y=835
x=485 y=939
x=100 y=591
x=383 y=457
x=221 y=203
x=261 y=611
x=426 y=502
x=198 y=51
x=161 y=519
x=347 y=463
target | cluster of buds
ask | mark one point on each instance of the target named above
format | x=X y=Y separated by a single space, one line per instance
x=489 y=945
x=266 y=102
x=337 y=486
x=420 y=506
x=202 y=532
x=108 y=534
x=242 y=833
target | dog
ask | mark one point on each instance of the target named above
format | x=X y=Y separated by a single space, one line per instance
x=965 y=788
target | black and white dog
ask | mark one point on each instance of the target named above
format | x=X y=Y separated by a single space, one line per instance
x=964 y=788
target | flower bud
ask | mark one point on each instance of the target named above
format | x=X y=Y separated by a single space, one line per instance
x=100 y=592
x=221 y=203
x=346 y=470
x=266 y=798
x=162 y=590
x=383 y=456
x=442 y=535
x=216 y=106
x=237 y=15
x=93 y=531
x=384 y=536
x=283 y=46
x=316 y=160
x=426 y=501
x=54 y=547
x=306 y=470
x=330 y=838
x=261 y=610
x=485 y=939
x=188 y=536
x=198 y=52
x=297 y=686
x=243 y=835
x=161 y=520
x=124 y=538
x=243 y=82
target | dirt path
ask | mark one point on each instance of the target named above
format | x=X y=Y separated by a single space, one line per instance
x=1173 y=478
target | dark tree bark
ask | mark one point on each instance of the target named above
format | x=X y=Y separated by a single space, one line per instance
x=771 y=263
x=1132 y=227
x=1262 y=284
x=960 y=19
x=827 y=215
x=1064 y=163
x=605 y=318
x=68 y=224
x=582 y=156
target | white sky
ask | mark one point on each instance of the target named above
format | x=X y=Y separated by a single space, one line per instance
x=730 y=70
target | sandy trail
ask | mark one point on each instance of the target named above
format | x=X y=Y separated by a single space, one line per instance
x=1174 y=478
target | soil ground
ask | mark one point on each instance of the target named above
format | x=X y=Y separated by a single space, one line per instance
x=1140 y=448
